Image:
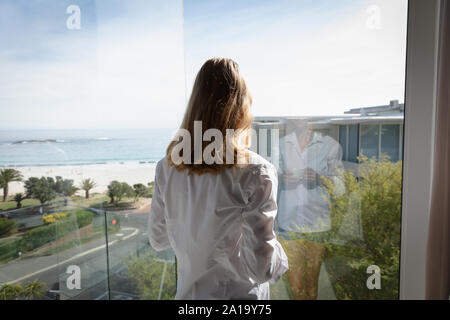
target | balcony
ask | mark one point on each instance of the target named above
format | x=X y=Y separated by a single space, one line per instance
x=75 y=248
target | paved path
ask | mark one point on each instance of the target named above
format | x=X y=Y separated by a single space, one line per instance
x=23 y=269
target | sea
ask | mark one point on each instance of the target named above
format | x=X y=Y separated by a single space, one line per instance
x=22 y=148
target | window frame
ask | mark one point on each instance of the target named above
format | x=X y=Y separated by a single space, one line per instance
x=418 y=141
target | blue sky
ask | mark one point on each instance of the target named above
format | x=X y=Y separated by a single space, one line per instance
x=132 y=63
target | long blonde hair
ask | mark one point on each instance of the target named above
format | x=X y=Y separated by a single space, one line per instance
x=221 y=100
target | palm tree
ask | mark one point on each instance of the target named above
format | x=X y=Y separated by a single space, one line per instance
x=19 y=197
x=10 y=292
x=7 y=176
x=33 y=290
x=87 y=185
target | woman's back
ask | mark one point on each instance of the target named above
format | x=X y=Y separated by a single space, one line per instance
x=221 y=229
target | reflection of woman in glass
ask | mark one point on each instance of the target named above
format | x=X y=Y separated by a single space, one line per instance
x=304 y=217
x=218 y=218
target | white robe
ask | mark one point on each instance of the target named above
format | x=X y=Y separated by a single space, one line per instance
x=220 y=228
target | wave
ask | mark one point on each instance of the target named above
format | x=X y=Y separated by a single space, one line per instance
x=51 y=164
x=81 y=163
x=35 y=141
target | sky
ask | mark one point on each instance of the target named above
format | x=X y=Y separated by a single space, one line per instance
x=132 y=63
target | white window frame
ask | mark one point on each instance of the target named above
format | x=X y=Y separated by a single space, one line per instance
x=420 y=105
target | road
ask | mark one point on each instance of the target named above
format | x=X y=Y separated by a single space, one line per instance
x=92 y=258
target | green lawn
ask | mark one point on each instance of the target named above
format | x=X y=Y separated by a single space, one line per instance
x=11 y=204
x=95 y=200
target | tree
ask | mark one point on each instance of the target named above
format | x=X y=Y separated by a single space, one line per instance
x=140 y=190
x=151 y=187
x=10 y=291
x=7 y=227
x=117 y=190
x=65 y=187
x=87 y=185
x=146 y=273
x=31 y=290
x=7 y=176
x=19 y=197
x=365 y=229
x=42 y=189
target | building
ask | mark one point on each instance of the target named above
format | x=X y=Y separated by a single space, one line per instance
x=372 y=131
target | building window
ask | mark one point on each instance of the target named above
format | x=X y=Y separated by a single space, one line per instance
x=390 y=141
x=353 y=143
x=370 y=140
x=349 y=140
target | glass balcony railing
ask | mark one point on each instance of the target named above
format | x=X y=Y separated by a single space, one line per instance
x=96 y=248
x=61 y=250
x=79 y=75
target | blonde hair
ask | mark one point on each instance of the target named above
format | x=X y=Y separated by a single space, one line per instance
x=221 y=100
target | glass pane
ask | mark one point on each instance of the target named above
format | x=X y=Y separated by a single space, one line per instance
x=142 y=42
x=370 y=140
x=390 y=141
x=54 y=250
x=353 y=142
x=25 y=244
x=90 y=92
x=81 y=253
x=319 y=76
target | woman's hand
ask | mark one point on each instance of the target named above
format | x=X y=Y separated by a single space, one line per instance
x=311 y=178
x=289 y=177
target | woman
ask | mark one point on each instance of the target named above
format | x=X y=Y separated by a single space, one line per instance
x=215 y=203
x=304 y=220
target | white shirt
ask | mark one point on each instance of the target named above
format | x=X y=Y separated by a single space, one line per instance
x=303 y=209
x=220 y=228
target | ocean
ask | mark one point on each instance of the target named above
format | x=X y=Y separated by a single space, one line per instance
x=20 y=148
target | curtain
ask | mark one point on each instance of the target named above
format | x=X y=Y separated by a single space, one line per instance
x=438 y=246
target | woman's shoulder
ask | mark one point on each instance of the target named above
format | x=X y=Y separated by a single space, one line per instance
x=258 y=166
x=255 y=166
x=257 y=173
x=257 y=161
x=161 y=169
x=161 y=165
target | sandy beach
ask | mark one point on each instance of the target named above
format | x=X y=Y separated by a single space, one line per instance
x=102 y=174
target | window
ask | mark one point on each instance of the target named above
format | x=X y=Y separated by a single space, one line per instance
x=349 y=133
x=325 y=75
x=378 y=140
x=390 y=141
x=91 y=93
x=353 y=143
x=370 y=140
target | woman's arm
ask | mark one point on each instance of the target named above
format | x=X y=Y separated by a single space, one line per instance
x=157 y=230
x=262 y=255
